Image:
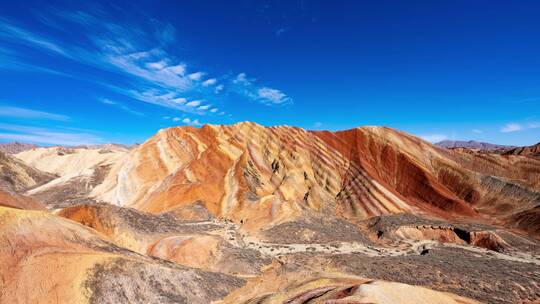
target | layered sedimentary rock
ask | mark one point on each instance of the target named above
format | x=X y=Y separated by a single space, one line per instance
x=198 y=244
x=48 y=259
x=70 y=161
x=335 y=289
x=67 y=262
x=262 y=176
x=14 y=200
x=533 y=150
x=77 y=171
x=17 y=176
x=253 y=214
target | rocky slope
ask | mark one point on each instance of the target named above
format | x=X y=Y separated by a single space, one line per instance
x=17 y=176
x=48 y=259
x=77 y=171
x=533 y=150
x=253 y=214
x=265 y=176
x=13 y=200
x=335 y=288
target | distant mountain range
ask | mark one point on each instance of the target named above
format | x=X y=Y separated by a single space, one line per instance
x=533 y=150
x=471 y=144
x=16 y=147
x=106 y=146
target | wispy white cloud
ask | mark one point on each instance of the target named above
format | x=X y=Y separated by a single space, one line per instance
x=143 y=66
x=120 y=106
x=242 y=79
x=10 y=60
x=163 y=98
x=80 y=17
x=167 y=80
x=533 y=125
x=434 y=138
x=193 y=103
x=126 y=50
x=219 y=88
x=18 y=112
x=14 y=60
x=46 y=136
x=265 y=95
x=158 y=65
x=14 y=63
x=185 y=120
x=196 y=76
x=512 y=127
x=478 y=131
x=194 y=122
x=209 y=82
x=16 y=34
x=140 y=53
x=180 y=100
x=520 y=126
x=273 y=96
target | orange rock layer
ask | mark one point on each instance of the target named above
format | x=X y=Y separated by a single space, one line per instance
x=260 y=176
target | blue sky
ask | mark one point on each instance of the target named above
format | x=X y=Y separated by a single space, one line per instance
x=79 y=72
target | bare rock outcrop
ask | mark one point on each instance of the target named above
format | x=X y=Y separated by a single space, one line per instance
x=49 y=259
x=17 y=176
x=199 y=244
x=335 y=288
x=533 y=151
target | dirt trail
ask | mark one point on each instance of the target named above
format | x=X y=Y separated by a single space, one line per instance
x=230 y=232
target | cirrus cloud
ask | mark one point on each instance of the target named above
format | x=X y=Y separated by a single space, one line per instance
x=209 y=82
x=139 y=53
x=512 y=127
x=47 y=136
x=269 y=96
x=18 y=112
x=274 y=96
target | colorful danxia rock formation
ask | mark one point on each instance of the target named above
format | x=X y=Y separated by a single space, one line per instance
x=252 y=214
